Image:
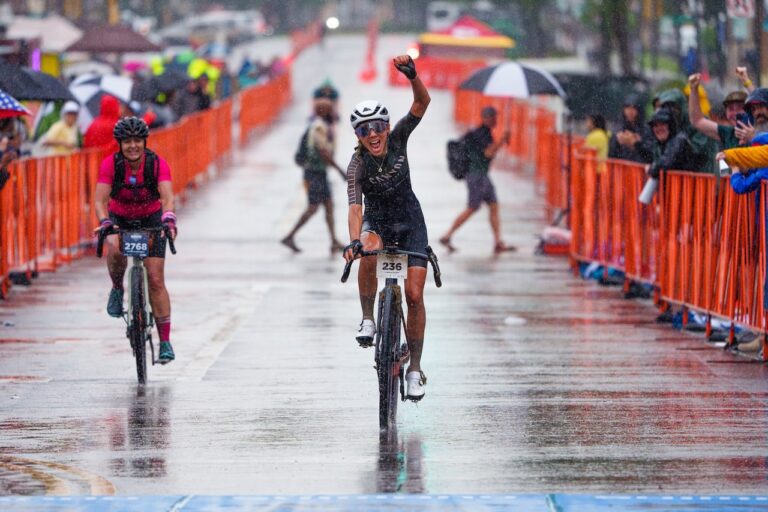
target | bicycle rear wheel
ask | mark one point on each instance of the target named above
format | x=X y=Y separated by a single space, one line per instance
x=138 y=326
x=387 y=357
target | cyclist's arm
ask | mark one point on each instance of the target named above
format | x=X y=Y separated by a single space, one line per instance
x=355 y=197
x=101 y=196
x=421 y=97
x=355 y=219
x=166 y=195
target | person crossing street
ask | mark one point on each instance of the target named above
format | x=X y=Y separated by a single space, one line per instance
x=481 y=149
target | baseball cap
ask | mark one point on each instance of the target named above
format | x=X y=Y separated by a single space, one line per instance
x=735 y=97
x=70 y=107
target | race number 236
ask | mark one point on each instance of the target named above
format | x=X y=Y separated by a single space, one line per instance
x=392 y=266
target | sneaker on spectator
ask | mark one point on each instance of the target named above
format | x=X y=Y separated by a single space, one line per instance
x=666 y=317
x=750 y=346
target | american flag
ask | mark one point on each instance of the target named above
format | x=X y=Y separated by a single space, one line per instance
x=9 y=107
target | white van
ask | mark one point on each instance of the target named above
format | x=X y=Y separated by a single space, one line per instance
x=441 y=15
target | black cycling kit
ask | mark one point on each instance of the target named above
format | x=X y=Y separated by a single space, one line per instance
x=391 y=210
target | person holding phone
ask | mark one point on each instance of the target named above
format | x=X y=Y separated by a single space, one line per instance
x=741 y=129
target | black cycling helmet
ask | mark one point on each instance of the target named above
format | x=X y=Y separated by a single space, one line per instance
x=130 y=127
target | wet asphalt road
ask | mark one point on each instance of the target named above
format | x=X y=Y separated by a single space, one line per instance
x=538 y=382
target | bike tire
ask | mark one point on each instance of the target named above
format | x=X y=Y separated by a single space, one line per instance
x=387 y=356
x=138 y=327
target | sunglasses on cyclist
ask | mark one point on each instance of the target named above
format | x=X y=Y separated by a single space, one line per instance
x=377 y=126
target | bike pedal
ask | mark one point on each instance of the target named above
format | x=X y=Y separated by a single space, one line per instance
x=364 y=343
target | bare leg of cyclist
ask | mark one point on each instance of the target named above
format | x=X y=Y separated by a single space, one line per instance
x=158 y=294
x=335 y=244
x=161 y=306
x=116 y=263
x=366 y=276
x=417 y=316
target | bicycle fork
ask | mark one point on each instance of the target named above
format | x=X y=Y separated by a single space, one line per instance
x=401 y=354
x=127 y=317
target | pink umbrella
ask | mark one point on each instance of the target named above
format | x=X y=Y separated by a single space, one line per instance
x=132 y=66
x=10 y=107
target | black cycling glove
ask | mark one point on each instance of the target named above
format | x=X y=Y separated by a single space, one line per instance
x=409 y=69
x=356 y=246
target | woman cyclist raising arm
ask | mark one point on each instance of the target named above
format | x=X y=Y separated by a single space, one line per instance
x=379 y=175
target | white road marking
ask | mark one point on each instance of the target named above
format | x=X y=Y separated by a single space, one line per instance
x=197 y=368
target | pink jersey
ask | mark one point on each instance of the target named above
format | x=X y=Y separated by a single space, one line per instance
x=129 y=203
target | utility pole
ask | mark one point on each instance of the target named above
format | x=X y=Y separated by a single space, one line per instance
x=760 y=41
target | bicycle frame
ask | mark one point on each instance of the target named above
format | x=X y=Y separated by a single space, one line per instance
x=390 y=353
x=141 y=334
x=128 y=317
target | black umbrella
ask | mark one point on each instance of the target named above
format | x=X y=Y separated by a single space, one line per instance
x=169 y=80
x=26 y=84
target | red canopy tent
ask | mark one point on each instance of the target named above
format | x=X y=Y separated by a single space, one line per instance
x=468 y=37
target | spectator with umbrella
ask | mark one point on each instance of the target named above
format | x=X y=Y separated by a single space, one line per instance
x=10 y=110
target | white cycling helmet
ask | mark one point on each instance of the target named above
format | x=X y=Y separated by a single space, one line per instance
x=368 y=110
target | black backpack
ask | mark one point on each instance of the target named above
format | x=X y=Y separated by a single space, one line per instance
x=302 y=152
x=458 y=158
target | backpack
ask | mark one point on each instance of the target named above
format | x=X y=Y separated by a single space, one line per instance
x=302 y=152
x=151 y=172
x=458 y=158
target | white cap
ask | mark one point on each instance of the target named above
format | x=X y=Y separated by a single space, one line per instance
x=70 y=107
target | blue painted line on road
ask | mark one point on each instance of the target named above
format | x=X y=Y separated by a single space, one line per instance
x=385 y=502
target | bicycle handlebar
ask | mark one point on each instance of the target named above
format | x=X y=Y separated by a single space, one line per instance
x=430 y=256
x=112 y=230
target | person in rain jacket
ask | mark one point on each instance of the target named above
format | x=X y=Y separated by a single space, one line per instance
x=99 y=133
x=634 y=141
x=672 y=149
x=704 y=149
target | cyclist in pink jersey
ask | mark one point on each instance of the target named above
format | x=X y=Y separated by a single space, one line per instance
x=134 y=188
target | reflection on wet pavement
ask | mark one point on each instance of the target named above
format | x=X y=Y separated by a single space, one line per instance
x=400 y=466
x=148 y=431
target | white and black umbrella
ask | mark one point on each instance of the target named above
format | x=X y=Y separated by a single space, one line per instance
x=513 y=80
x=88 y=89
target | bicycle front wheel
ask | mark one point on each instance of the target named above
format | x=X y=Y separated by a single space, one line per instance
x=138 y=326
x=387 y=362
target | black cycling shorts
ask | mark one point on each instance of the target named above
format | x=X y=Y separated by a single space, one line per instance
x=409 y=236
x=157 y=241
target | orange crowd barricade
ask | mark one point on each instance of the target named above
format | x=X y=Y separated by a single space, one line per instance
x=260 y=104
x=47 y=213
x=701 y=245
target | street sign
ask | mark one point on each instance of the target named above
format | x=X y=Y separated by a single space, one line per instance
x=741 y=8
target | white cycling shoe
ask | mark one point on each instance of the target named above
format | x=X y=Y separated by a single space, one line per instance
x=366 y=332
x=417 y=383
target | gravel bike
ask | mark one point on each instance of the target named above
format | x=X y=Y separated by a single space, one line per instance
x=135 y=243
x=390 y=353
